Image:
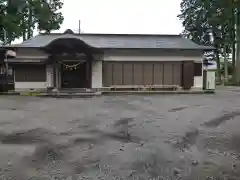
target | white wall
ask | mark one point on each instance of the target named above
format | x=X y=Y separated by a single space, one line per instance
x=49 y=74
x=97 y=74
x=198 y=82
x=30 y=53
x=152 y=58
x=159 y=55
x=26 y=86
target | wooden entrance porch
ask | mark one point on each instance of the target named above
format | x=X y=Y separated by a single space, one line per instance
x=71 y=59
x=72 y=74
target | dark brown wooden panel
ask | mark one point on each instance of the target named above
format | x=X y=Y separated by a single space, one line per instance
x=117 y=73
x=142 y=73
x=30 y=73
x=168 y=73
x=187 y=74
x=107 y=74
x=177 y=73
x=197 y=69
x=137 y=73
x=127 y=73
x=158 y=73
x=148 y=73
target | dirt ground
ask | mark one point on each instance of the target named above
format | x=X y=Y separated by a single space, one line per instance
x=121 y=137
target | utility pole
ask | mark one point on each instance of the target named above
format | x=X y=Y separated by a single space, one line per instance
x=79 y=26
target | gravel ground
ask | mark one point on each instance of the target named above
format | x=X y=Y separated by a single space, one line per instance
x=121 y=137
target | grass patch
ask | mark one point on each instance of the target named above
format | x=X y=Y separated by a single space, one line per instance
x=30 y=93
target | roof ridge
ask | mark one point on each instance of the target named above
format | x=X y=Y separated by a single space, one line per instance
x=117 y=34
x=119 y=41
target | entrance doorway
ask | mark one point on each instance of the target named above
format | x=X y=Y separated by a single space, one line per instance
x=74 y=77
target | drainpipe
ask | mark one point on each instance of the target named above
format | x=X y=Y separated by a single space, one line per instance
x=79 y=26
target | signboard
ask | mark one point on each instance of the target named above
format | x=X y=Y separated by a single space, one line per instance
x=10 y=53
x=211 y=65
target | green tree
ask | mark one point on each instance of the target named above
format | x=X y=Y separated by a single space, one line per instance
x=20 y=18
x=203 y=19
x=9 y=21
x=47 y=15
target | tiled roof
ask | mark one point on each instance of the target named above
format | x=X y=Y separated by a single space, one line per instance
x=118 y=41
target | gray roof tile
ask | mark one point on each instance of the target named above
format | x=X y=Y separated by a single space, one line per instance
x=126 y=41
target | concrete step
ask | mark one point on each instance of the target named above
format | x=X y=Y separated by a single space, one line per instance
x=69 y=94
x=78 y=90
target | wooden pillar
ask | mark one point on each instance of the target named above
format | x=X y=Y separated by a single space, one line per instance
x=54 y=75
x=89 y=70
x=57 y=79
x=187 y=74
x=55 y=72
x=90 y=74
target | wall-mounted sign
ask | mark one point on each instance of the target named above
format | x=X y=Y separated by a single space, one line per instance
x=10 y=53
x=210 y=65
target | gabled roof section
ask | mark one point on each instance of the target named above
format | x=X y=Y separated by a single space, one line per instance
x=119 y=41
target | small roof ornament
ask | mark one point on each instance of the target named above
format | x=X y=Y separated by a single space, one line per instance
x=68 y=31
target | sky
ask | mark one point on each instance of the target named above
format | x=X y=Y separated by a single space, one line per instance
x=122 y=16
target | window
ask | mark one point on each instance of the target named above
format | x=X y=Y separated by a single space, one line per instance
x=197 y=69
x=30 y=73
